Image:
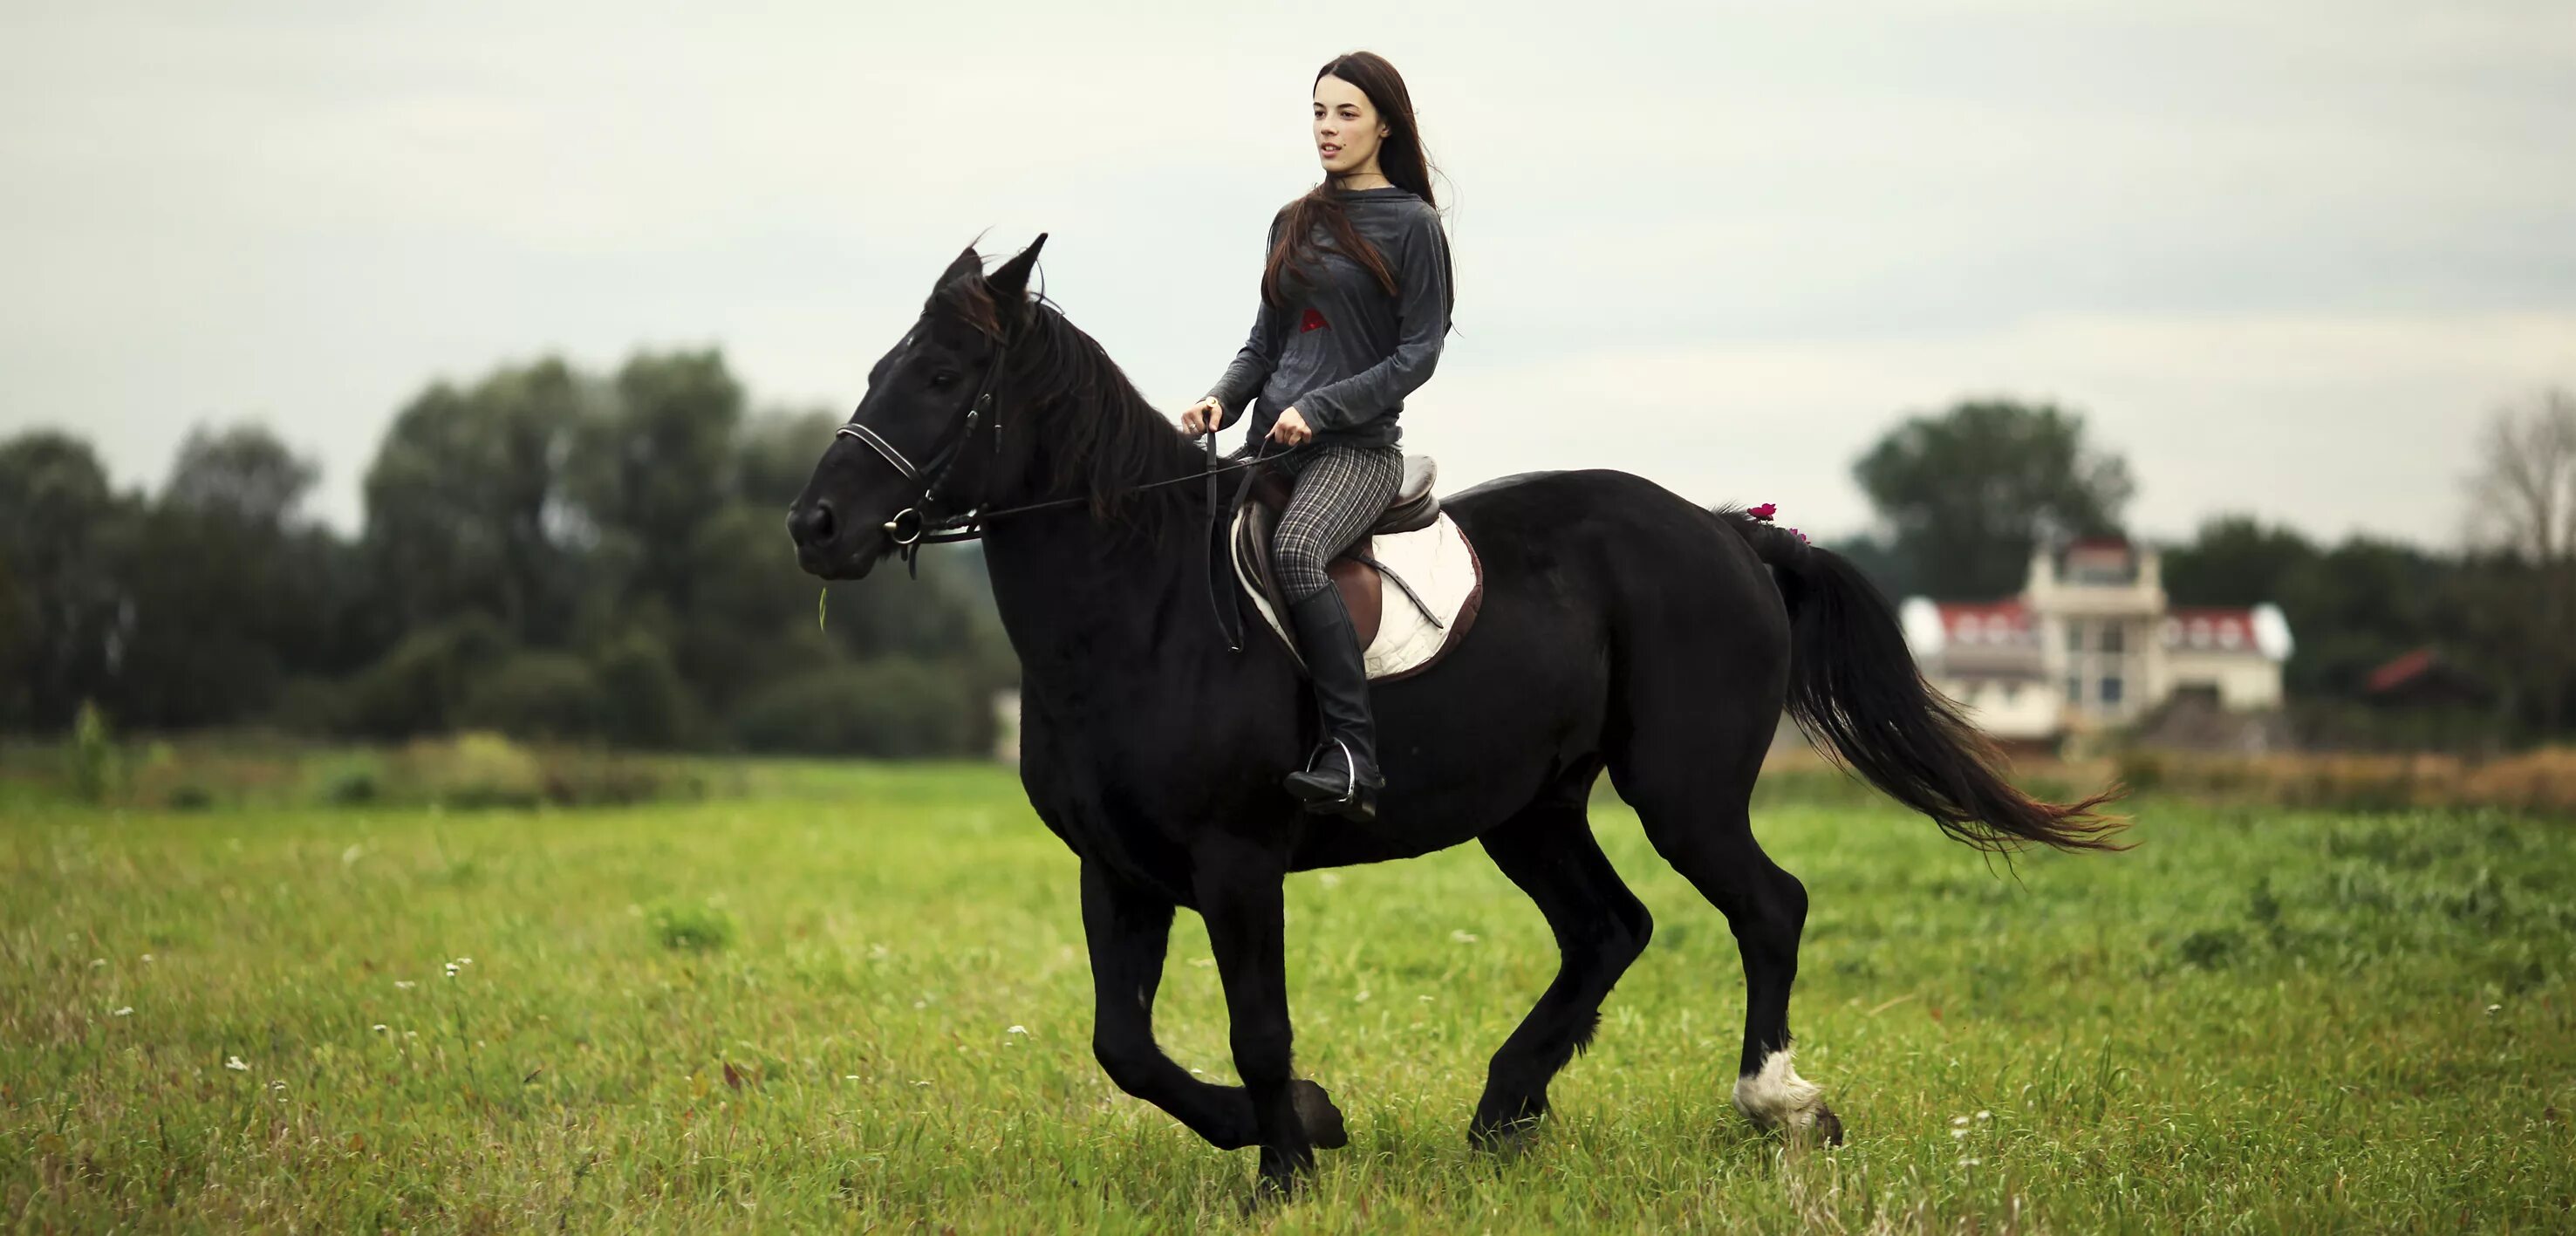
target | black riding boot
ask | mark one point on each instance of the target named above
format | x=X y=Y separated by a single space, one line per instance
x=1341 y=778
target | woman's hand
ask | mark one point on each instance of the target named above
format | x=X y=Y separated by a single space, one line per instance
x=1291 y=429
x=1201 y=417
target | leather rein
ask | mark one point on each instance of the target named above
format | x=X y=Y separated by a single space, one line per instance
x=913 y=526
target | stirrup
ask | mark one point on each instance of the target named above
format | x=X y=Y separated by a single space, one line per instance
x=1351 y=802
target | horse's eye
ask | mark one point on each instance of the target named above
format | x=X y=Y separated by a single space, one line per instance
x=943 y=379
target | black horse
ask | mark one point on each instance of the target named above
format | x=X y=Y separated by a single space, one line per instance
x=1622 y=628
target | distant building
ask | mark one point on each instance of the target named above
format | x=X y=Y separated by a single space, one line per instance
x=2092 y=643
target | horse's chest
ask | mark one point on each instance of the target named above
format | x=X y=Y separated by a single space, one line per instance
x=1112 y=809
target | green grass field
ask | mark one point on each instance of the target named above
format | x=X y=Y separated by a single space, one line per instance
x=866 y=1006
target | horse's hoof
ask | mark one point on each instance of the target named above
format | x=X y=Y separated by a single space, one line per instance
x=1828 y=1127
x=1315 y=1110
x=1275 y=1189
x=1504 y=1137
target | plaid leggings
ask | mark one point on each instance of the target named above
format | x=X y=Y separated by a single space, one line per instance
x=1341 y=490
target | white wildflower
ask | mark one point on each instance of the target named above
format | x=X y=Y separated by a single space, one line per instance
x=1463 y=937
x=235 y=1064
x=379 y=1027
x=1329 y=880
x=97 y=963
x=127 y=1011
x=405 y=984
x=465 y=961
x=1959 y=1120
x=1970 y=1162
x=147 y=957
x=2494 y=1009
x=451 y=969
x=849 y=1077
x=1017 y=1030
x=1425 y=999
x=1985 y=1115
x=1958 y=1132
x=1361 y=998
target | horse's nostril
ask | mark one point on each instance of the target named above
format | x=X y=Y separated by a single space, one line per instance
x=812 y=525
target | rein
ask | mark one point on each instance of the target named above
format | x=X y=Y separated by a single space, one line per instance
x=912 y=528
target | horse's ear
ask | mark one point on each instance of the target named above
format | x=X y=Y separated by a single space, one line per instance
x=967 y=263
x=1011 y=283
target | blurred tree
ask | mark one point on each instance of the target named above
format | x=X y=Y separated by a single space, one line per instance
x=2360 y=604
x=227 y=588
x=777 y=456
x=1969 y=493
x=61 y=606
x=466 y=507
x=651 y=464
x=2236 y=560
x=242 y=475
x=1890 y=571
x=545 y=553
x=2523 y=503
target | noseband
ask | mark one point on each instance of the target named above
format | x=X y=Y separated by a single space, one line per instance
x=913 y=526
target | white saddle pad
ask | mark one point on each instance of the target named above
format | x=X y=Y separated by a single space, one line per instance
x=1440 y=567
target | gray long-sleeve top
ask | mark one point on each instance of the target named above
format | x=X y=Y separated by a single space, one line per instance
x=1343 y=352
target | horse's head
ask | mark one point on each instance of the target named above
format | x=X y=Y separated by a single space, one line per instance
x=906 y=449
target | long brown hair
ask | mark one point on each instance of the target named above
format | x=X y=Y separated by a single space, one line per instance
x=1400 y=157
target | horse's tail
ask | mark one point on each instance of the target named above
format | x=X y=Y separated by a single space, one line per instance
x=1854 y=688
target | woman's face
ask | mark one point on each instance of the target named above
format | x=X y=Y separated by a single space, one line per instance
x=1347 y=128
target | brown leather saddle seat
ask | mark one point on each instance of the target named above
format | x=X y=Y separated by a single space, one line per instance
x=1363 y=589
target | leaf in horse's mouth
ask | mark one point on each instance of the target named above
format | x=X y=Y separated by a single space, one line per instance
x=820 y=599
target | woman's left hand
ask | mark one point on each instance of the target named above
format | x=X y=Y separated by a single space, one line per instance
x=1291 y=429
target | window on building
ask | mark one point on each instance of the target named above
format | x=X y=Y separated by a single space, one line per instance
x=2112 y=639
x=2074 y=636
x=2111 y=686
x=2074 y=690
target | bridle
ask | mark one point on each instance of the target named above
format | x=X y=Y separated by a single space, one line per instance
x=914 y=526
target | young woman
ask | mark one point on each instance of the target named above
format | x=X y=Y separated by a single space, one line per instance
x=1355 y=300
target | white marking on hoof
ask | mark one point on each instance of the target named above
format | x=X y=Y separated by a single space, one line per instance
x=1776 y=1097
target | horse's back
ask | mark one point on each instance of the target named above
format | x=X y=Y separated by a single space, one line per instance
x=1603 y=590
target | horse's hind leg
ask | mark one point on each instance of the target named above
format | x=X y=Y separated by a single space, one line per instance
x=1548 y=850
x=1693 y=791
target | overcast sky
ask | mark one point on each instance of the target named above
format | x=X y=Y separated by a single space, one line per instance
x=2284 y=255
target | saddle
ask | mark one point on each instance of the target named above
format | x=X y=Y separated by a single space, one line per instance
x=1438 y=583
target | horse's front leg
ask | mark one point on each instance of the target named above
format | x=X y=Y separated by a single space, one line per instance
x=1129 y=932
x=1239 y=888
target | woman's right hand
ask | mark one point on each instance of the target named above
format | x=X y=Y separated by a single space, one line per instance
x=1202 y=417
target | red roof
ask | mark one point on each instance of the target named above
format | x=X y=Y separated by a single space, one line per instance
x=2210 y=628
x=2404 y=669
x=1986 y=622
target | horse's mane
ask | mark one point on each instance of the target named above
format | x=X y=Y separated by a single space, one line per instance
x=1103 y=438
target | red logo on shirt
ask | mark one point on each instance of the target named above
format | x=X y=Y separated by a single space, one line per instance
x=1312 y=321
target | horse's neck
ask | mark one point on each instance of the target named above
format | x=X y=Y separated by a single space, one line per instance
x=1077 y=595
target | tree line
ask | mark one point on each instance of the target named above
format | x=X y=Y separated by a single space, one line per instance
x=546 y=552
x=565 y=555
